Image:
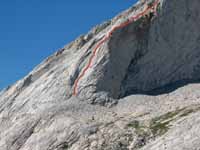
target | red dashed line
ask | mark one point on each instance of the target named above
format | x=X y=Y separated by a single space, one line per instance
x=130 y=20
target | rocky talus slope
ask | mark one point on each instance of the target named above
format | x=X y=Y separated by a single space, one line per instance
x=142 y=91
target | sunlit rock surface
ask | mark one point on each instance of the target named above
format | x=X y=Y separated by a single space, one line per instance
x=141 y=92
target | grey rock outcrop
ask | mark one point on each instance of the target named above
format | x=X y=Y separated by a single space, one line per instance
x=141 y=92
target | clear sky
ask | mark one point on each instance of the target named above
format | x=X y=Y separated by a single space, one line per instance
x=31 y=30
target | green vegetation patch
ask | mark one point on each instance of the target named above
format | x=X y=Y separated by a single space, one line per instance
x=134 y=124
x=159 y=128
x=167 y=116
x=187 y=112
x=161 y=124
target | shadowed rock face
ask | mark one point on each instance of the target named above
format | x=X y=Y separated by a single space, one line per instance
x=173 y=39
x=147 y=72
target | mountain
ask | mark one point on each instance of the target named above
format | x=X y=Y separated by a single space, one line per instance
x=131 y=83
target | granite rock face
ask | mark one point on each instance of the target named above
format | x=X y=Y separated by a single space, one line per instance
x=141 y=92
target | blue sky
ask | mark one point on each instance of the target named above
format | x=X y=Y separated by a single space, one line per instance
x=31 y=30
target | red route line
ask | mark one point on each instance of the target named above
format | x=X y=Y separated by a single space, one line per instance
x=130 y=20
